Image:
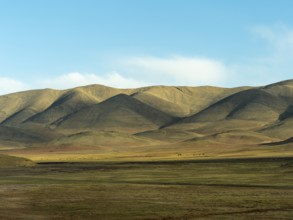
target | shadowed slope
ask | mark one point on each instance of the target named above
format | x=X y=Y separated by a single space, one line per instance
x=245 y=117
x=67 y=104
x=282 y=129
x=162 y=104
x=47 y=106
x=283 y=89
x=253 y=104
x=121 y=112
x=149 y=121
x=183 y=101
x=18 y=107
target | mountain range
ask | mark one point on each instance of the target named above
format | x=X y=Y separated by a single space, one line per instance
x=156 y=121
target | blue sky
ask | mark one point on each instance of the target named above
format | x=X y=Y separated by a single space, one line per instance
x=131 y=43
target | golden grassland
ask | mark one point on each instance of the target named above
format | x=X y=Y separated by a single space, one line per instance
x=202 y=150
x=189 y=181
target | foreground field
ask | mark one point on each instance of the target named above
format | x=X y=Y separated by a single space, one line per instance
x=206 y=189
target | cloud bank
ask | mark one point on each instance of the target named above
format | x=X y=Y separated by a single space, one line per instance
x=75 y=79
x=151 y=71
x=278 y=36
x=180 y=70
x=70 y=80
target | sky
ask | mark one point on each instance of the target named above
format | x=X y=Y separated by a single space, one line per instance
x=132 y=43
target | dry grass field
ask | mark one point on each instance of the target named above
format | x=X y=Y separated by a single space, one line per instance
x=206 y=189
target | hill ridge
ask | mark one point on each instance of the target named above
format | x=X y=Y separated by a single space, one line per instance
x=165 y=116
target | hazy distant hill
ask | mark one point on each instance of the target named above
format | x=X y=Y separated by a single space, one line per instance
x=169 y=116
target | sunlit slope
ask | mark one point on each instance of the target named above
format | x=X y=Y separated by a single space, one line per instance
x=18 y=107
x=253 y=104
x=121 y=112
x=72 y=101
x=254 y=116
x=156 y=120
x=46 y=106
x=183 y=101
x=283 y=88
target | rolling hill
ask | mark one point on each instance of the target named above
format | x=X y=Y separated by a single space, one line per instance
x=121 y=112
x=149 y=121
x=12 y=162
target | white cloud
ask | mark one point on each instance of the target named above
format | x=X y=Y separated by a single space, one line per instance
x=179 y=70
x=279 y=36
x=279 y=40
x=8 y=85
x=70 y=80
x=76 y=79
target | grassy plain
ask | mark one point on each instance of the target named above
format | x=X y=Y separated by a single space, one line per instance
x=260 y=188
